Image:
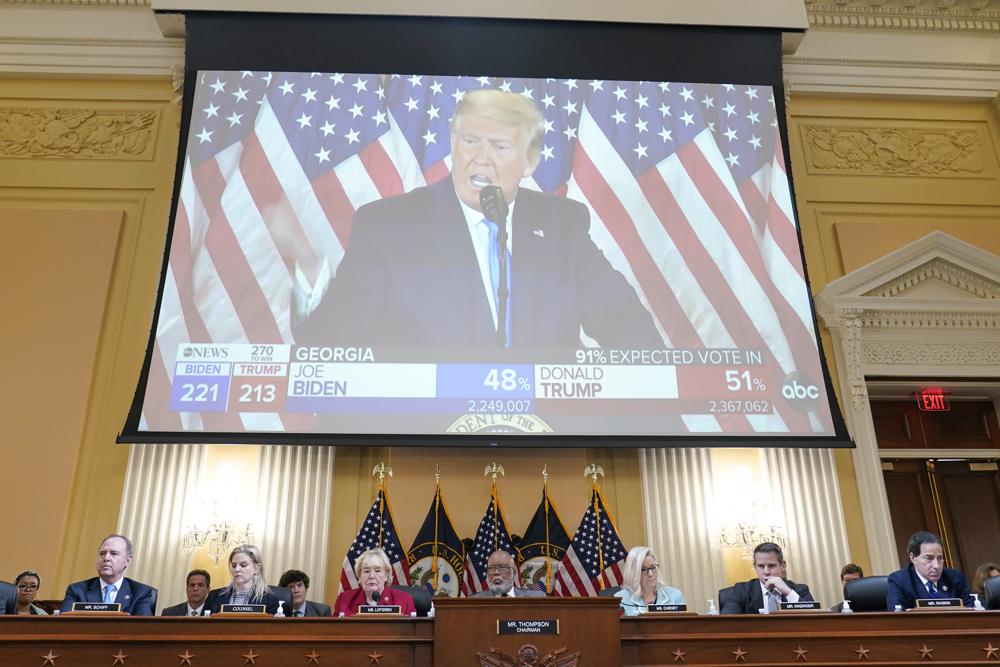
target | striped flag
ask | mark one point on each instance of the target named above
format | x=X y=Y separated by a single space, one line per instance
x=685 y=183
x=437 y=556
x=543 y=546
x=595 y=557
x=378 y=530
x=492 y=535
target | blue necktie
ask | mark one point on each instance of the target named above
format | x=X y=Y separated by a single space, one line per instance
x=495 y=274
x=932 y=590
x=109 y=594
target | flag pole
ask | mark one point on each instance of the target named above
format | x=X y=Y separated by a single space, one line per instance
x=593 y=471
x=548 y=552
x=493 y=470
x=383 y=471
x=437 y=509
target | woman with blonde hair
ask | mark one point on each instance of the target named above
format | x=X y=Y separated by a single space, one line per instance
x=248 y=585
x=373 y=571
x=642 y=585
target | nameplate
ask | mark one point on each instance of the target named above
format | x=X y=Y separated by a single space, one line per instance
x=243 y=609
x=533 y=627
x=931 y=603
x=653 y=608
x=379 y=609
x=801 y=605
x=113 y=607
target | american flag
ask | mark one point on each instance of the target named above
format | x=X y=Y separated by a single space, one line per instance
x=685 y=183
x=378 y=530
x=491 y=535
x=596 y=555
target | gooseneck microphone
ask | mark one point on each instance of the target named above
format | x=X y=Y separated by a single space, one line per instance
x=494 y=206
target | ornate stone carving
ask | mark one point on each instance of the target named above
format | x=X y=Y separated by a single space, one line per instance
x=528 y=656
x=933 y=354
x=928 y=15
x=939 y=269
x=77 y=133
x=900 y=319
x=850 y=324
x=893 y=151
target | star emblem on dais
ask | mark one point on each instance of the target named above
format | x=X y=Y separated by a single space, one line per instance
x=119 y=657
x=313 y=657
x=49 y=658
x=186 y=657
x=250 y=658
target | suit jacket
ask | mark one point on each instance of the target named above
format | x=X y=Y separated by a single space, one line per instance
x=905 y=588
x=272 y=596
x=8 y=598
x=518 y=593
x=136 y=598
x=633 y=604
x=747 y=598
x=348 y=601
x=181 y=610
x=411 y=277
x=316 y=609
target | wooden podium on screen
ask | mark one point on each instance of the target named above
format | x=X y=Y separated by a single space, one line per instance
x=516 y=632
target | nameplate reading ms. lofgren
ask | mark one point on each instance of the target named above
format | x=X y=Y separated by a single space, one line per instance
x=97 y=606
x=798 y=606
x=378 y=609
x=926 y=603
x=532 y=627
x=243 y=609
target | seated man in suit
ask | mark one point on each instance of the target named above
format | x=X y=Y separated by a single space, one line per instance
x=925 y=576
x=500 y=569
x=8 y=598
x=849 y=572
x=199 y=582
x=298 y=583
x=748 y=597
x=111 y=585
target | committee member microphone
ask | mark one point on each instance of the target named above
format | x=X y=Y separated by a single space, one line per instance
x=373 y=571
x=769 y=588
x=424 y=268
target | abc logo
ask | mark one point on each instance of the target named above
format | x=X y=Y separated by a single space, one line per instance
x=800 y=391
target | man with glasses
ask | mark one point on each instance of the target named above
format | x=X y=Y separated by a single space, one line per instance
x=925 y=577
x=768 y=590
x=500 y=569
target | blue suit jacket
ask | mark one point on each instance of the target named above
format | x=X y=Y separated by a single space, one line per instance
x=747 y=598
x=411 y=277
x=8 y=598
x=905 y=588
x=136 y=598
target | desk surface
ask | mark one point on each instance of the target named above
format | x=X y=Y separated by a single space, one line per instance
x=938 y=637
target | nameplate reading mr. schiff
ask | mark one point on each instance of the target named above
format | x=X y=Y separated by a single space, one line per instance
x=243 y=609
x=378 y=609
x=532 y=627
x=930 y=603
x=799 y=606
x=115 y=607
x=654 y=608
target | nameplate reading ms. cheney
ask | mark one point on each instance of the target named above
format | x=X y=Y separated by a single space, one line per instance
x=378 y=609
x=653 y=608
x=532 y=627
x=97 y=606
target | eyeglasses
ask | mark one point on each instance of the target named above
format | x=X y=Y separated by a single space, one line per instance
x=650 y=570
x=499 y=569
x=27 y=588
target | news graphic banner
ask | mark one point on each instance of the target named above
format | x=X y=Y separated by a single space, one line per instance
x=688 y=200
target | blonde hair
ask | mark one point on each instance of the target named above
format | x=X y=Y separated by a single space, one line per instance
x=253 y=553
x=632 y=571
x=376 y=554
x=508 y=108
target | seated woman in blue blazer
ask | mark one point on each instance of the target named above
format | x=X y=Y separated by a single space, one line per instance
x=248 y=585
x=642 y=585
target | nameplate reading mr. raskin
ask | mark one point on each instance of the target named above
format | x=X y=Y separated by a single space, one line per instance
x=534 y=627
x=243 y=609
x=927 y=603
x=378 y=609
x=96 y=606
x=666 y=607
x=798 y=606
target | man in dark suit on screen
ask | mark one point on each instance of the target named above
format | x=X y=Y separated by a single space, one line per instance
x=419 y=271
x=926 y=577
x=199 y=583
x=769 y=588
x=297 y=582
x=111 y=585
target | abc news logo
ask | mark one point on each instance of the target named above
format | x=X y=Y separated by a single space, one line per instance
x=800 y=391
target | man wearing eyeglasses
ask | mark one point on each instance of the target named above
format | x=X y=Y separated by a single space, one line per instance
x=500 y=568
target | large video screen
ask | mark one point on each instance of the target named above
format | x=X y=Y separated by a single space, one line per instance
x=430 y=255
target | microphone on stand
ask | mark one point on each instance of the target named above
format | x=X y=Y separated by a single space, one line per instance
x=495 y=208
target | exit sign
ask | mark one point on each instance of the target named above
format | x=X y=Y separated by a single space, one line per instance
x=933 y=399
